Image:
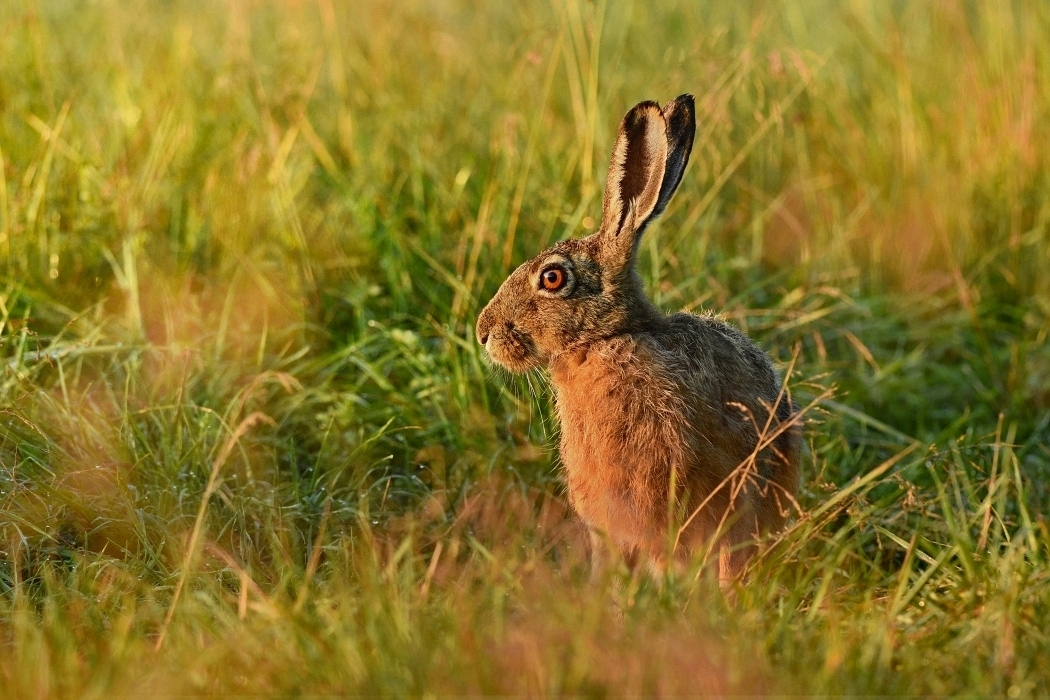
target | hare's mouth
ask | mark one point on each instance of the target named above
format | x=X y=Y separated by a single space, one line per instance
x=512 y=349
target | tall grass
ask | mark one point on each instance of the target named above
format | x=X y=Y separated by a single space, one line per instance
x=248 y=444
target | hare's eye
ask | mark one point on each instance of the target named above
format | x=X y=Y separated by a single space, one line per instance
x=553 y=279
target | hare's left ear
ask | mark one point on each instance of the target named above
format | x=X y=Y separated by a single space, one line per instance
x=651 y=152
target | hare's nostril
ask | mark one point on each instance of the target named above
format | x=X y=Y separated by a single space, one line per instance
x=510 y=325
x=484 y=339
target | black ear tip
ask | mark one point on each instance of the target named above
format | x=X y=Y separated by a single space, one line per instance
x=683 y=105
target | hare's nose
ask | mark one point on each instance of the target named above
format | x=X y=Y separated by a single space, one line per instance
x=484 y=324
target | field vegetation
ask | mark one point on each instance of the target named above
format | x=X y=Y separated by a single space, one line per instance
x=249 y=445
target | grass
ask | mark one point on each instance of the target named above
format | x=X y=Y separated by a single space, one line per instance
x=248 y=445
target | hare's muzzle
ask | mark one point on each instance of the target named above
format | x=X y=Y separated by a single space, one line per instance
x=504 y=342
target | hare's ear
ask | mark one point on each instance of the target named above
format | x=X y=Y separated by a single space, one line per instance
x=651 y=152
x=680 y=115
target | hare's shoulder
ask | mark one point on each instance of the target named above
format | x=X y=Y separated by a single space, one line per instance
x=705 y=331
x=710 y=346
x=611 y=366
x=625 y=380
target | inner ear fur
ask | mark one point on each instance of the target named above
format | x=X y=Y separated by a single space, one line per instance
x=651 y=152
x=636 y=169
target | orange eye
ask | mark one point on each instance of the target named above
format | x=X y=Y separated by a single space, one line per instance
x=553 y=279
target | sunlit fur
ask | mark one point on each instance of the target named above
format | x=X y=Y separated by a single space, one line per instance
x=660 y=414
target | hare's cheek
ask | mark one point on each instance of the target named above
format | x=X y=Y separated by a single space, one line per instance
x=548 y=342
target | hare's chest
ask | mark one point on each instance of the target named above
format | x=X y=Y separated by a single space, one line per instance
x=619 y=443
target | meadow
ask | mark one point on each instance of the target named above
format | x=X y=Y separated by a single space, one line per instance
x=250 y=446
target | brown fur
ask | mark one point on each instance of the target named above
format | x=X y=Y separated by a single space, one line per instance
x=661 y=416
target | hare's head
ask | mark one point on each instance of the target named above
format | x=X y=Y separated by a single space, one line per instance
x=585 y=289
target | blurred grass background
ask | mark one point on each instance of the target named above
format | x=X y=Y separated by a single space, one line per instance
x=248 y=444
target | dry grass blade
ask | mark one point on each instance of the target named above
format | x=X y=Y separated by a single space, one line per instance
x=198 y=524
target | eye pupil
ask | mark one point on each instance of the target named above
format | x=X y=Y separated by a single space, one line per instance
x=553 y=279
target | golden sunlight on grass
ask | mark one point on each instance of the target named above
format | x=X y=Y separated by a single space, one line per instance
x=250 y=446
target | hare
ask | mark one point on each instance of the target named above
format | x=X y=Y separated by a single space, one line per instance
x=676 y=435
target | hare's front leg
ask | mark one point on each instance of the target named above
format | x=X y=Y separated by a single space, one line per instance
x=603 y=554
x=599 y=555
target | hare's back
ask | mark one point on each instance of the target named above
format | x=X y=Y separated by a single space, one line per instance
x=717 y=354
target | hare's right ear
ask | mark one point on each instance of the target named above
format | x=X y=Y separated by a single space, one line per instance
x=651 y=152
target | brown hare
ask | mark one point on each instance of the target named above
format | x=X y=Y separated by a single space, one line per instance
x=674 y=428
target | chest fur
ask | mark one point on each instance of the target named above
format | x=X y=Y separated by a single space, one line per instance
x=620 y=439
